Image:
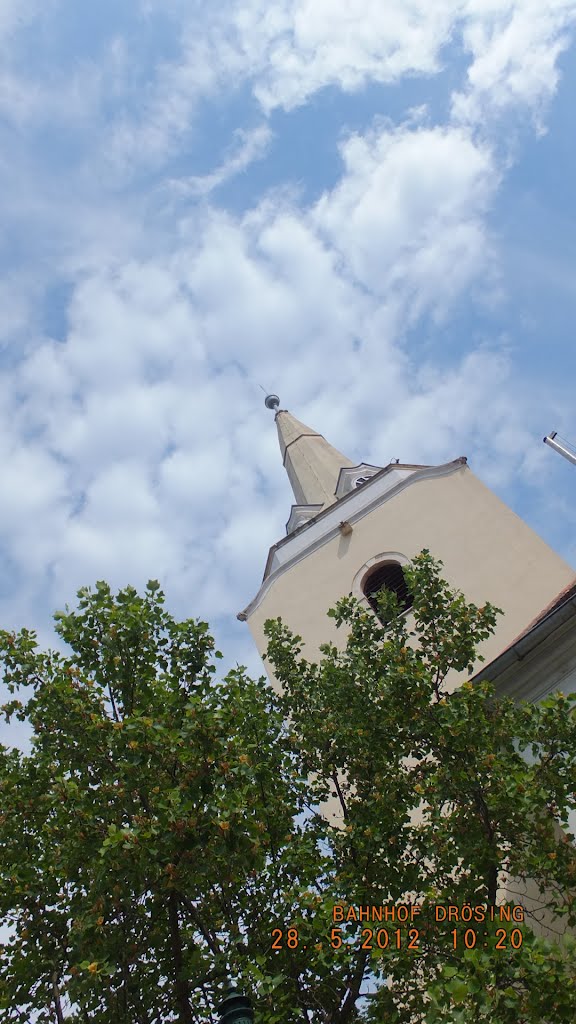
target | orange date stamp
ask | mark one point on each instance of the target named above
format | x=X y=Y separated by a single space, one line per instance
x=401 y=927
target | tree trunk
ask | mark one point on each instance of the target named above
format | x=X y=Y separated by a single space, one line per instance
x=57 y=1001
x=181 y=983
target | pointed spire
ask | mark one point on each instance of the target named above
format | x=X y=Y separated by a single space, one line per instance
x=313 y=465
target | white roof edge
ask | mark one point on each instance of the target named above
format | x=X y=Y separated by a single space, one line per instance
x=357 y=504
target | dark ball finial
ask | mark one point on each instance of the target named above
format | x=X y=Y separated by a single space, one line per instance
x=272 y=402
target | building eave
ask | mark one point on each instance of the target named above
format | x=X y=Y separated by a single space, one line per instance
x=549 y=622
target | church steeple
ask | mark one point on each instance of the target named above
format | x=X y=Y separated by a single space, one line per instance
x=355 y=523
x=313 y=465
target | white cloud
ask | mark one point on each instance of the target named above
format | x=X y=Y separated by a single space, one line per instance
x=128 y=322
x=408 y=215
x=197 y=480
x=167 y=105
x=260 y=288
x=316 y=43
x=290 y=50
x=35 y=499
x=15 y=14
x=515 y=47
x=285 y=52
x=247 y=146
x=138 y=445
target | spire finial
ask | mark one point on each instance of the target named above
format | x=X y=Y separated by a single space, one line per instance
x=272 y=402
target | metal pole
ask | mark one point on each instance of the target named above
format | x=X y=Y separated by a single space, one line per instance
x=563 y=449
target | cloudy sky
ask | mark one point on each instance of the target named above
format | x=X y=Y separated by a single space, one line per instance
x=368 y=208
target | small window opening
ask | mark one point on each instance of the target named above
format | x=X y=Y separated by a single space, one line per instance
x=387 y=577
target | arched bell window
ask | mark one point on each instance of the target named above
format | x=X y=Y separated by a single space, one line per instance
x=387 y=576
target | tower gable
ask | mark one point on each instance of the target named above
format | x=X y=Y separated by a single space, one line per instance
x=355 y=476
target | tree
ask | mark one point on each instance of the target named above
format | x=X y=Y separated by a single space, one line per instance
x=168 y=828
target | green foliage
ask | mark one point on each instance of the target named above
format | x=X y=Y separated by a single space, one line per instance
x=439 y=803
x=140 y=837
x=168 y=828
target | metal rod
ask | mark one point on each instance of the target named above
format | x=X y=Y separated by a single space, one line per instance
x=564 y=450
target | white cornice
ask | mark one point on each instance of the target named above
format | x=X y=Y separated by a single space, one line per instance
x=351 y=508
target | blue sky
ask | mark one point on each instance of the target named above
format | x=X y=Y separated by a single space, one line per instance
x=368 y=209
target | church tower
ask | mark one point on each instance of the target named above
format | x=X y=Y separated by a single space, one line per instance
x=353 y=528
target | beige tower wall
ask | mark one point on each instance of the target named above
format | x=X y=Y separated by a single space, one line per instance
x=489 y=554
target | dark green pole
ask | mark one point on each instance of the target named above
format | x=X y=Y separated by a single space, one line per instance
x=235 y=1008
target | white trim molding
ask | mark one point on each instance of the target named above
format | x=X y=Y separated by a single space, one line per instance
x=353 y=507
x=384 y=558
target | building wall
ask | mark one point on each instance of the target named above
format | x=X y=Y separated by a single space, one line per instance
x=541 y=663
x=489 y=554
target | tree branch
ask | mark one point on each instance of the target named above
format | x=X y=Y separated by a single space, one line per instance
x=340 y=795
x=57 y=1000
x=209 y=937
x=353 y=991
